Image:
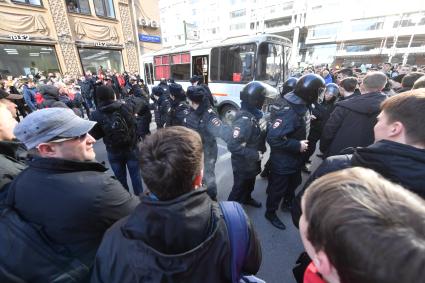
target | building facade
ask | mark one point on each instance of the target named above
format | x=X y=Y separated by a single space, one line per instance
x=333 y=32
x=67 y=36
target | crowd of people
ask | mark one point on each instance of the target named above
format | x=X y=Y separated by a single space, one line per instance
x=67 y=220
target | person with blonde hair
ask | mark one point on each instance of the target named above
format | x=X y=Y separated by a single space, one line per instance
x=358 y=227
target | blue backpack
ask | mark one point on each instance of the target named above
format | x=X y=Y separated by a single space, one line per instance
x=237 y=229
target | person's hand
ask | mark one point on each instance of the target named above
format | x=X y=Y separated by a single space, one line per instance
x=303 y=145
x=313 y=117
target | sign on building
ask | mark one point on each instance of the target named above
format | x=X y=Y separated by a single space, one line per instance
x=149 y=38
x=191 y=31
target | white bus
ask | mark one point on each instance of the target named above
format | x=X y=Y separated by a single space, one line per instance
x=226 y=65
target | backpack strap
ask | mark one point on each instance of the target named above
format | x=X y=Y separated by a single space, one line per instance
x=237 y=229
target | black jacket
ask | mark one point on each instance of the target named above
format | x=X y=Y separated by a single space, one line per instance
x=290 y=126
x=100 y=116
x=399 y=163
x=177 y=113
x=247 y=140
x=351 y=123
x=10 y=166
x=73 y=202
x=181 y=240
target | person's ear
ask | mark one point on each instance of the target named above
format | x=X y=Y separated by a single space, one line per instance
x=46 y=150
x=197 y=181
x=325 y=267
x=396 y=129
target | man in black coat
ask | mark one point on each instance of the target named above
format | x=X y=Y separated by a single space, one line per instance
x=179 y=108
x=351 y=123
x=116 y=124
x=176 y=234
x=64 y=190
x=139 y=101
x=398 y=153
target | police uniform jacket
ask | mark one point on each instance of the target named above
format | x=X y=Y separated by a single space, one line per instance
x=177 y=113
x=290 y=126
x=247 y=139
x=206 y=122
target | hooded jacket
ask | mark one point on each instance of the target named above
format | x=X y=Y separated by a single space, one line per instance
x=10 y=166
x=180 y=240
x=351 y=123
x=400 y=163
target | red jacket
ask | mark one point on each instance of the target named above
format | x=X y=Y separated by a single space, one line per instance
x=311 y=275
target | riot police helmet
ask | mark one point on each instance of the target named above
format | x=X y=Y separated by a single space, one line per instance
x=288 y=85
x=309 y=87
x=254 y=94
x=177 y=91
x=196 y=93
x=157 y=90
x=332 y=89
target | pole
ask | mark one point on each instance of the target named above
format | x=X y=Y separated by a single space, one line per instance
x=185 y=32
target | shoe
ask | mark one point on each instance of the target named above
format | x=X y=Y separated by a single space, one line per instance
x=252 y=202
x=305 y=169
x=274 y=220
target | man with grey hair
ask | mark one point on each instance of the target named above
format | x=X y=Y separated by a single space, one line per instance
x=351 y=123
x=64 y=191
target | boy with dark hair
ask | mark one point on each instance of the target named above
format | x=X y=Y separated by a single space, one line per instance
x=358 y=227
x=176 y=234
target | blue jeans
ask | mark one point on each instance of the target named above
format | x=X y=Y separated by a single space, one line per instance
x=130 y=159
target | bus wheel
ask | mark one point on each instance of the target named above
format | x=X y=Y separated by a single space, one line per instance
x=228 y=113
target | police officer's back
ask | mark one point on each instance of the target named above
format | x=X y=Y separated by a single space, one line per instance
x=179 y=108
x=203 y=119
x=161 y=105
x=247 y=143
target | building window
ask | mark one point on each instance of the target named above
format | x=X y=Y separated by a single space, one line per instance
x=91 y=59
x=237 y=26
x=233 y=63
x=29 y=2
x=287 y=6
x=17 y=60
x=367 y=24
x=238 y=13
x=278 y=22
x=410 y=20
x=78 y=6
x=104 y=8
x=327 y=30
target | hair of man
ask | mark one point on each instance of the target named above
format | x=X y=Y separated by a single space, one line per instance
x=349 y=84
x=410 y=79
x=371 y=230
x=374 y=81
x=171 y=159
x=420 y=83
x=408 y=108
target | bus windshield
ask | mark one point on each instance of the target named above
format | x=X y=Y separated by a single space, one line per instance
x=270 y=63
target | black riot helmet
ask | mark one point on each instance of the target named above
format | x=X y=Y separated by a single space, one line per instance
x=288 y=85
x=309 y=87
x=332 y=89
x=254 y=93
x=176 y=90
x=196 y=93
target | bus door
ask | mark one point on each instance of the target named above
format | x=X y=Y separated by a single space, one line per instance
x=200 y=66
x=148 y=71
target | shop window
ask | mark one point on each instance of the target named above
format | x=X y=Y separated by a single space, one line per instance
x=91 y=59
x=233 y=63
x=17 y=60
x=78 y=6
x=104 y=8
x=29 y=2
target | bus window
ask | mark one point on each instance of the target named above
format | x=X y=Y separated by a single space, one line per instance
x=233 y=63
x=270 y=63
x=162 y=67
x=148 y=73
x=180 y=68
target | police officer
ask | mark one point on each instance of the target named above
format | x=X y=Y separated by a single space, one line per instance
x=287 y=87
x=287 y=137
x=139 y=102
x=205 y=121
x=198 y=80
x=321 y=110
x=179 y=108
x=161 y=105
x=247 y=143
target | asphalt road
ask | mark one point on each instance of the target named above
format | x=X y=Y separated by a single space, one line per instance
x=280 y=248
